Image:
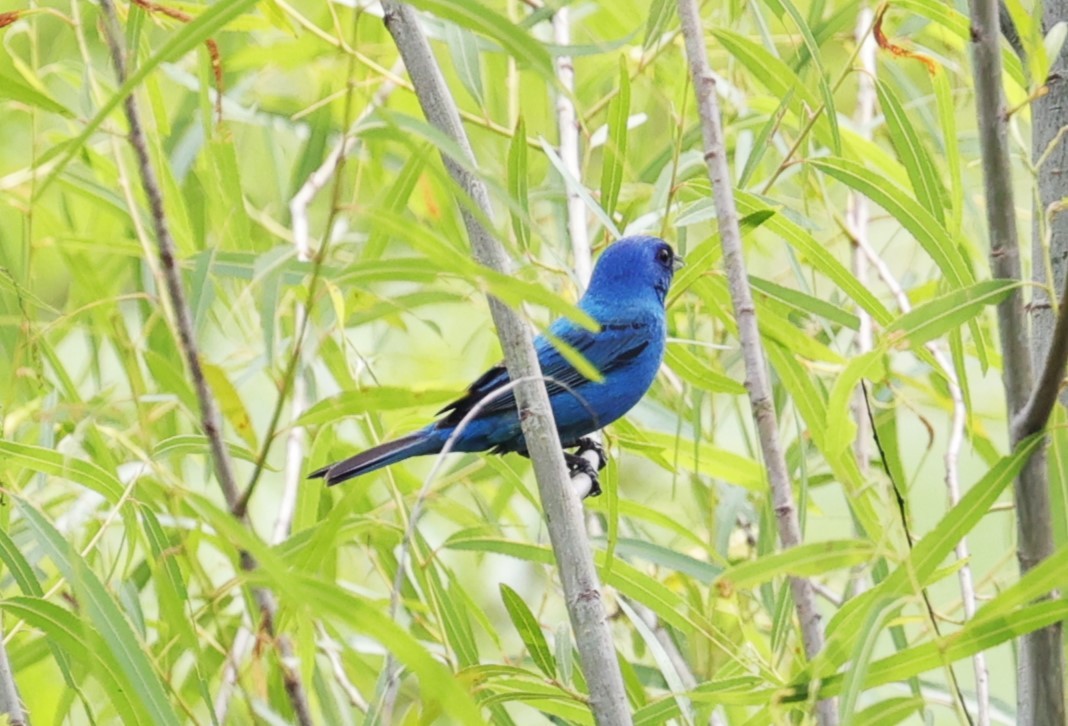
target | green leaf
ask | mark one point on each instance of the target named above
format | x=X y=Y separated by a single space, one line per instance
x=463 y=47
x=71 y=637
x=704 y=458
x=806 y=560
x=518 y=173
x=178 y=43
x=396 y=201
x=199 y=445
x=698 y=372
x=865 y=649
x=50 y=461
x=939 y=316
x=976 y=636
x=383 y=398
x=923 y=560
x=20 y=569
x=615 y=149
x=15 y=89
x=106 y=618
x=912 y=152
x=825 y=88
x=230 y=403
x=665 y=557
x=575 y=186
x=529 y=630
x=924 y=227
x=478 y=18
x=816 y=254
x=806 y=303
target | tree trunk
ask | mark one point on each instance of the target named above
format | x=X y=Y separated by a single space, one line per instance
x=1040 y=670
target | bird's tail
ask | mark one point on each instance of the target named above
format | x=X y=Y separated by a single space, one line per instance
x=416 y=444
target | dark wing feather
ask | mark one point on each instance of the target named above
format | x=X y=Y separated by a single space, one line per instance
x=608 y=350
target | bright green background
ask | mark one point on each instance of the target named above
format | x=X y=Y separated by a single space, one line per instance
x=121 y=589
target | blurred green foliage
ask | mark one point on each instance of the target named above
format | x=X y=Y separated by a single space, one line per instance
x=121 y=590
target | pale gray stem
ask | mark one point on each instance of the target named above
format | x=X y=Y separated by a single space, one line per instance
x=332 y=650
x=298 y=212
x=1040 y=662
x=756 y=376
x=857 y=216
x=570 y=153
x=239 y=650
x=10 y=703
x=563 y=512
x=209 y=411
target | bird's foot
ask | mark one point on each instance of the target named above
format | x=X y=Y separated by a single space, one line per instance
x=578 y=464
x=587 y=443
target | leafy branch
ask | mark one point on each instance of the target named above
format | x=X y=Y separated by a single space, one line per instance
x=563 y=512
x=209 y=411
x=756 y=371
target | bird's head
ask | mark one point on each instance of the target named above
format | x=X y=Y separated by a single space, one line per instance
x=632 y=268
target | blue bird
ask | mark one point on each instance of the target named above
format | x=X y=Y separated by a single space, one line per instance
x=626 y=297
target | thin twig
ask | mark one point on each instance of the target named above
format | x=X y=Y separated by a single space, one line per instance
x=756 y=376
x=1040 y=663
x=332 y=650
x=563 y=512
x=209 y=413
x=298 y=209
x=239 y=650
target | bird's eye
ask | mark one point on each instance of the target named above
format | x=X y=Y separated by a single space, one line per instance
x=664 y=256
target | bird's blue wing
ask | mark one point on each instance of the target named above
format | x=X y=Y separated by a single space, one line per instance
x=607 y=350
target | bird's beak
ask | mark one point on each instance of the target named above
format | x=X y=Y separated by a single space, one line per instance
x=678 y=263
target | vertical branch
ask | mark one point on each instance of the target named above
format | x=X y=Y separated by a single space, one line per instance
x=1040 y=664
x=1050 y=156
x=563 y=513
x=298 y=212
x=10 y=703
x=209 y=411
x=570 y=153
x=756 y=376
x=857 y=216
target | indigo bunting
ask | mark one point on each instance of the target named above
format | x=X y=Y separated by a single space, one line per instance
x=626 y=298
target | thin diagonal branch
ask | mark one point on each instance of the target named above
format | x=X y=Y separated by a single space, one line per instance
x=1033 y=416
x=756 y=375
x=209 y=411
x=563 y=512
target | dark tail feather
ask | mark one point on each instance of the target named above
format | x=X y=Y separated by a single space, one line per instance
x=417 y=444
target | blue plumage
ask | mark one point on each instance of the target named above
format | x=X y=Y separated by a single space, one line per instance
x=626 y=296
